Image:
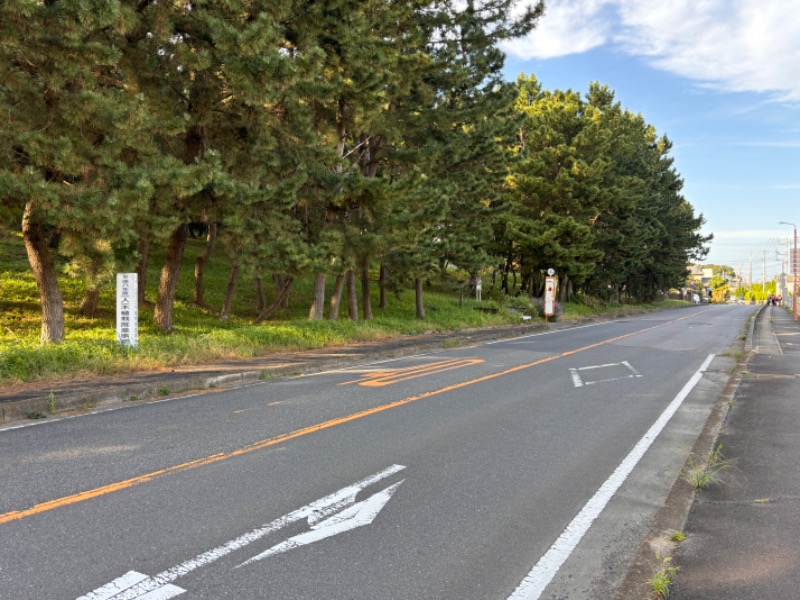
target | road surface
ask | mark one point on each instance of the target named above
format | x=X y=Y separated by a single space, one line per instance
x=519 y=469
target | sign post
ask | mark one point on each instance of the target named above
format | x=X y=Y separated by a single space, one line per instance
x=550 y=287
x=127 y=310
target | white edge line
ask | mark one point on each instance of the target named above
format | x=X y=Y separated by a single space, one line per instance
x=535 y=582
x=126 y=405
x=576 y=378
x=530 y=335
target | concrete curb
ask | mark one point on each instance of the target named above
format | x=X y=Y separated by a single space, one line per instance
x=674 y=515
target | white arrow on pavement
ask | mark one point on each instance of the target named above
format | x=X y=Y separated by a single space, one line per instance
x=129 y=580
x=135 y=586
x=359 y=514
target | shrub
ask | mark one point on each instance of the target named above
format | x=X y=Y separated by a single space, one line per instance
x=558 y=310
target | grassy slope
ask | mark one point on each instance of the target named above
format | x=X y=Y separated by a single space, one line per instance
x=200 y=336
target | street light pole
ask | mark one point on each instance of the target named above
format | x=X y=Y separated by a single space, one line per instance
x=794 y=269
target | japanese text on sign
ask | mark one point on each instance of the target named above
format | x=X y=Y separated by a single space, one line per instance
x=127 y=310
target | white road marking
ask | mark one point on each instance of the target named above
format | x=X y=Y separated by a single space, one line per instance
x=127 y=581
x=538 y=334
x=315 y=512
x=635 y=372
x=576 y=378
x=535 y=582
x=578 y=382
x=113 y=588
x=359 y=514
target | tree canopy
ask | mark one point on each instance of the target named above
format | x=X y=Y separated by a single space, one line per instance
x=321 y=138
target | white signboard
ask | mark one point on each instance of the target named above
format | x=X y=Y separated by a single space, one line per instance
x=127 y=310
x=550 y=285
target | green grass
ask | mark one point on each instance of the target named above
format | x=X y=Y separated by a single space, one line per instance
x=663 y=578
x=199 y=336
x=709 y=471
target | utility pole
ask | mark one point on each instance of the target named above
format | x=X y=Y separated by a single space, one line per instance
x=794 y=269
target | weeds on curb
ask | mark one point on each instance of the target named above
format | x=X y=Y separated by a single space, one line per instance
x=706 y=473
x=677 y=537
x=662 y=579
x=51 y=402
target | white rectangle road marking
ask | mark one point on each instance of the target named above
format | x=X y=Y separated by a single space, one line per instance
x=577 y=381
x=535 y=582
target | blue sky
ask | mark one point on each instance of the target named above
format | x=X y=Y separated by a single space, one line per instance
x=721 y=78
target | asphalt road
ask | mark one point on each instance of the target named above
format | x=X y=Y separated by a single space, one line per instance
x=525 y=468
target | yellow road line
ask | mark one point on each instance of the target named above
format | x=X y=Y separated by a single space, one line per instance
x=285 y=437
x=391 y=376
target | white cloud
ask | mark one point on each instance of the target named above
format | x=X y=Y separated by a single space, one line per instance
x=742 y=45
x=568 y=27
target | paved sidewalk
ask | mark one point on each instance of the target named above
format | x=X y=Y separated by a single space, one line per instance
x=742 y=536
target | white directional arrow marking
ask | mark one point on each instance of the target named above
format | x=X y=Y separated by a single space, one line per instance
x=359 y=514
x=136 y=586
x=129 y=580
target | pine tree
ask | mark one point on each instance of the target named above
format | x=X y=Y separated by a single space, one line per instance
x=71 y=135
x=223 y=74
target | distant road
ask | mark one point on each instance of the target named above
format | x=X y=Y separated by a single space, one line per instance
x=518 y=469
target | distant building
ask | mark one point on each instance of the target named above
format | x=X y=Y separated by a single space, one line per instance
x=701 y=275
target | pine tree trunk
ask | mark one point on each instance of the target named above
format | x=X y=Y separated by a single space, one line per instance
x=352 y=299
x=200 y=265
x=280 y=299
x=336 y=297
x=318 y=299
x=366 y=301
x=261 y=300
x=225 y=313
x=280 y=283
x=193 y=149
x=46 y=279
x=562 y=292
x=89 y=302
x=143 y=249
x=384 y=281
x=419 y=302
x=168 y=283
